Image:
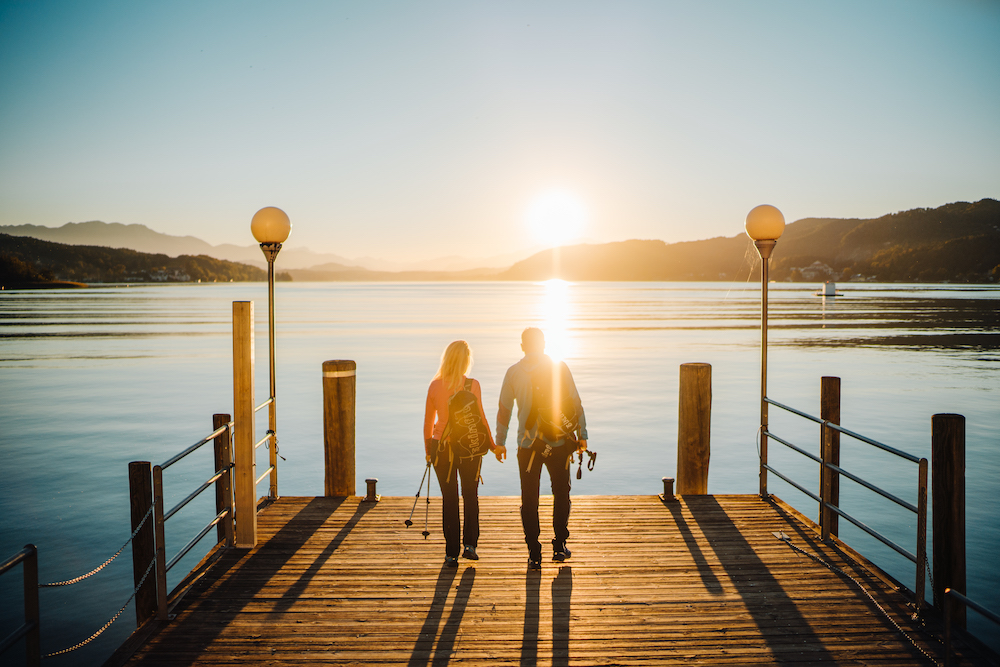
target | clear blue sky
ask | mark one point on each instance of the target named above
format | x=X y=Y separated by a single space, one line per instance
x=420 y=129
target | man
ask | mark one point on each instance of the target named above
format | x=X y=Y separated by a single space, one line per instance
x=537 y=446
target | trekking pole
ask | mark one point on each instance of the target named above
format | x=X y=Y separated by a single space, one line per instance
x=409 y=522
x=427 y=507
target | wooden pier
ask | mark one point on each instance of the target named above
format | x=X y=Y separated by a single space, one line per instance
x=701 y=580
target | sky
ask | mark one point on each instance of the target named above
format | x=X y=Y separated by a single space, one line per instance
x=416 y=130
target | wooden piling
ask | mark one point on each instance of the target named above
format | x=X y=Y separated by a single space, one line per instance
x=32 y=611
x=694 y=427
x=829 y=480
x=245 y=478
x=339 y=387
x=948 y=508
x=140 y=487
x=224 y=486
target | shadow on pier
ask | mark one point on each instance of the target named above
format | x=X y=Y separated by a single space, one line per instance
x=701 y=580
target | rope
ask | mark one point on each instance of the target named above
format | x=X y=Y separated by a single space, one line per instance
x=833 y=568
x=105 y=563
x=113 y=618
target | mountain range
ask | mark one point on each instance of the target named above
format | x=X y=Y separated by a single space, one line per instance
x=957 y=242
x=142 y=238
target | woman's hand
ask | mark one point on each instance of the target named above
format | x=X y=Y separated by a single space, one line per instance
x=500 y=452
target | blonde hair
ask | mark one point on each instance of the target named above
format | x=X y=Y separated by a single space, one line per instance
x=455 y=362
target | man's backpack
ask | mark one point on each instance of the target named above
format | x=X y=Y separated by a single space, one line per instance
x=465 y=433
x=552 y=407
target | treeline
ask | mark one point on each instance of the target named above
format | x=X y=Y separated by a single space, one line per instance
x=957 y=242
x=27 y=260
x=953 y=243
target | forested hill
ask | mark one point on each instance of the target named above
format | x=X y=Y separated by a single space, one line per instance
x=28 y=261
x=957 y=242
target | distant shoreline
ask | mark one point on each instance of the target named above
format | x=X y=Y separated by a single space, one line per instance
x=67 y=284
x=49 y=284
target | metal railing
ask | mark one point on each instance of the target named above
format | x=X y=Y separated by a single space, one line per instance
x=225 y=510
x=224 y=464
x=951 y=598
x=30 y=628
x=828 y=501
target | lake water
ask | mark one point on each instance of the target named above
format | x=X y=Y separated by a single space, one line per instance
x=95 y=378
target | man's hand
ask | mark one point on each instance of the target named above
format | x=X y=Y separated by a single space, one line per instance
x=500 y=452
x=581 y=446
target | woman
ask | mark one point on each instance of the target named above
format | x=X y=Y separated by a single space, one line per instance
x=450 y=379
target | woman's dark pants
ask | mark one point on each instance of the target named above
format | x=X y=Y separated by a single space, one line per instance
x=468 y=470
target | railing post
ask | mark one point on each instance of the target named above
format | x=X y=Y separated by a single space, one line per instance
x=161 y=547
x=829 y=485
x=224 y=485
x=243 y=393
x=32 y=640
x=339 y=387
x=694 y=428
x=948 y=494
x=143 y=546
x=919 y=593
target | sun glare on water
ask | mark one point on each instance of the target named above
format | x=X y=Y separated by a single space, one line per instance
x=557 y=312
x=556 y=217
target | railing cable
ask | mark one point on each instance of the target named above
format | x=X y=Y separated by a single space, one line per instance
x=103 y=565
x=114 y=618
x=833 y=568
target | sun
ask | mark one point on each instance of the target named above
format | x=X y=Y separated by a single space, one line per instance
x=556 y=217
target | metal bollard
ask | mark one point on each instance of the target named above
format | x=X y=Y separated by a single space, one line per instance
x=372 y=497
x=668 y=489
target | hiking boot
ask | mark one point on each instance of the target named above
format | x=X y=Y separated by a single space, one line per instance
x=470 y=553
x=451 y=561
x=534 y=563
x=560 y=552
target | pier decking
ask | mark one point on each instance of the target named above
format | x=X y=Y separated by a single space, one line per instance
x=702 y=580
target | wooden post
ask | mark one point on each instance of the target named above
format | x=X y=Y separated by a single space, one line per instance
x=245 y=481
x=829 y=481
x=338 y=426
x=948 y=503
x=140 y=487
x=694 y=428
x=32 y=617
x=224 y=485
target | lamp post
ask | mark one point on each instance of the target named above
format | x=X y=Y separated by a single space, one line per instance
x=764 y=225
x=270 y=226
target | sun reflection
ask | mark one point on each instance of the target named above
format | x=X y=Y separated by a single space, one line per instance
x=556 y=313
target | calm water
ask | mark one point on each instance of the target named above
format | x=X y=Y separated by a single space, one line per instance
x=93 y=379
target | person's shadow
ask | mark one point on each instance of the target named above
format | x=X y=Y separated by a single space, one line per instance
x=562 y=593
x=425 y=652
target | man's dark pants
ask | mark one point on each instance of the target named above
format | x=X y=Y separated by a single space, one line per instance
x=558 y=465
x=468 y=470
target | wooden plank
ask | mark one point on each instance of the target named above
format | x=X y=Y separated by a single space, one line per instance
x=703 y=581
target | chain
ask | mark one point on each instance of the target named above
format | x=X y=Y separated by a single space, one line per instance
x=927 y=568
x=105 y=563
x=784 y=538
x=113 y=618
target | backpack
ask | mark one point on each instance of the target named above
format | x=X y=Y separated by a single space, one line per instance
x=552 y=407
x=465 y=433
